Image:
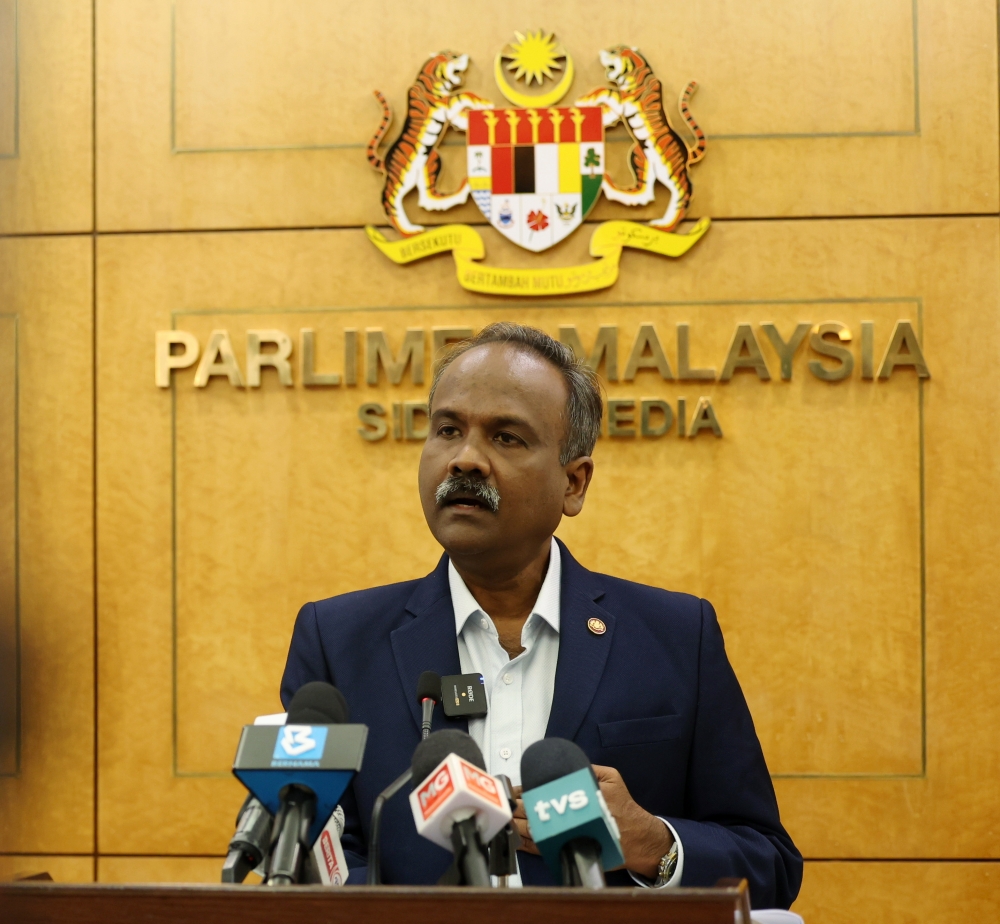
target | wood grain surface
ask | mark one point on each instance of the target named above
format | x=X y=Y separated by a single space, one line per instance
x=39 y=904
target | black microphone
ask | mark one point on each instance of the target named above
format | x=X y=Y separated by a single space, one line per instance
x=428 y=695
x=457 y=804
x=249 y=844
x=568 y=818
x=503 y=847
x=315 y=703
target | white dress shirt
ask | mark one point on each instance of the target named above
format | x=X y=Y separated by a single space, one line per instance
x=518 y=690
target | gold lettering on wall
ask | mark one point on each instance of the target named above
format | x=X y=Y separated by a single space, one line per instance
x=605 y=348
x=903 y=350
x=744 y=353
x=278 y=359
x=648 y=417
x=218 y=359
x=684 y=371
x=310 y=377
x=786 y=349
x=647 y=408
x=166 y=360
x=377 y=353
x=647 y=339
x=819 y=343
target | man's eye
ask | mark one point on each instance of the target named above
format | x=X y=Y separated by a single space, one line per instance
x=447 y=430
x=508 y=439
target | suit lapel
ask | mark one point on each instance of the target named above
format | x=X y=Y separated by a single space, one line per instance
x=427 y=642
x=582 y=653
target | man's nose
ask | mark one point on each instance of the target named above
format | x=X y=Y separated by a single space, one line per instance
x=470 y=459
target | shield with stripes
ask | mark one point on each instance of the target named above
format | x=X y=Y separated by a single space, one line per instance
x=536 y=173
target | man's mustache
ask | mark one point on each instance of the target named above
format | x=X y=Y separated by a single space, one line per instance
x=468 y=486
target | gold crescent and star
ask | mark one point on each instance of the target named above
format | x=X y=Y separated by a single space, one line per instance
x=533 y=56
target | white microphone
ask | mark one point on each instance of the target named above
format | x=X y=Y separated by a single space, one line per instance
x=458 y=805
x=328 y=855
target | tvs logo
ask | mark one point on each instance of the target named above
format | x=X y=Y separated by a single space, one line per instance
x=481 y=784
x=524 y=162
x=300 y=742
x=435 y=791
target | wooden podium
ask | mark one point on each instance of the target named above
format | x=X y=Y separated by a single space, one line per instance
x=37 y=902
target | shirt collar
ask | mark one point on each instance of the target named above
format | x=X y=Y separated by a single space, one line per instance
x=546 y=606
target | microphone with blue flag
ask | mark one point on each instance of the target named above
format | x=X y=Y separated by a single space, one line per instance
x=569 y=820
x=298 y=771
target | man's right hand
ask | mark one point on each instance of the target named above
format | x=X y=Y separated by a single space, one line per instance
x=521 y=823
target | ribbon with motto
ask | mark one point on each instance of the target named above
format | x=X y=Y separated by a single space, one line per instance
x=607 y=242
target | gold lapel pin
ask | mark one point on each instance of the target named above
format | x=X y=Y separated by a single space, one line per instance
x=596 y=626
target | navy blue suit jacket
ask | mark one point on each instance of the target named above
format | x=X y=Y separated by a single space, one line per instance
x=654 y=697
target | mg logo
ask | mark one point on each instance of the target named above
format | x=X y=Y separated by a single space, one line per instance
x=481 y=783
x=300 y=742
x=435 y=791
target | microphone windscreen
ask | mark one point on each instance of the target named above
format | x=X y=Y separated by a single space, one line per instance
x=429 y=687
x=318 y=703
x=549 y=759
x=437 y=746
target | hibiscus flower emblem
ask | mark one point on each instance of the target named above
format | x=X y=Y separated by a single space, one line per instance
x=538 y=221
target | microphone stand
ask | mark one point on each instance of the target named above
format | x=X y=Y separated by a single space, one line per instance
x=581 y=864
x=297 y=809
x=427 y=705
x=503 y=847
x=248 y=846
x=375 y=830
x=470 y=856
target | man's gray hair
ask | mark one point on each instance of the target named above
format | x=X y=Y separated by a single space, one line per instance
x=584 y=408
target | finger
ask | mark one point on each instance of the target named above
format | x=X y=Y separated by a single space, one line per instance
x=517 y=790
x=529 y=847
x=519 y=810
x=527 y=844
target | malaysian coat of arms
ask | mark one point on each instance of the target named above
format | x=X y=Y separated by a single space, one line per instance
x=537 y=169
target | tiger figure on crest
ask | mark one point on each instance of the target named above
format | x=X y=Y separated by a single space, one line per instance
x=412 y=160
x=658 y=151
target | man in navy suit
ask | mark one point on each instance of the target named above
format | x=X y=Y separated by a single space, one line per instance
x=635 y=675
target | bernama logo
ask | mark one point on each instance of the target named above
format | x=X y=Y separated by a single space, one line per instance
x=300 y=742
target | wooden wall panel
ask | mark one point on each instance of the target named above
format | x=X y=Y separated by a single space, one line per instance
x=9 y=628
x=46 y=116
x=61 y=869
x=822 y=548
x=47 y=798
x=162 y=869
x=844 y=892
x=845 y=532
x=199 y=128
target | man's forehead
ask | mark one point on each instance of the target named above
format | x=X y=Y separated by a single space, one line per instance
x=500 y=366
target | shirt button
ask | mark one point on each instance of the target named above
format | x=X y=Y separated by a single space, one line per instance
x=483 y=623
x=507 y=678
x=505 y=753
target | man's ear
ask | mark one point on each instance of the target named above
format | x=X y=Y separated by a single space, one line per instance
x=578 y=475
